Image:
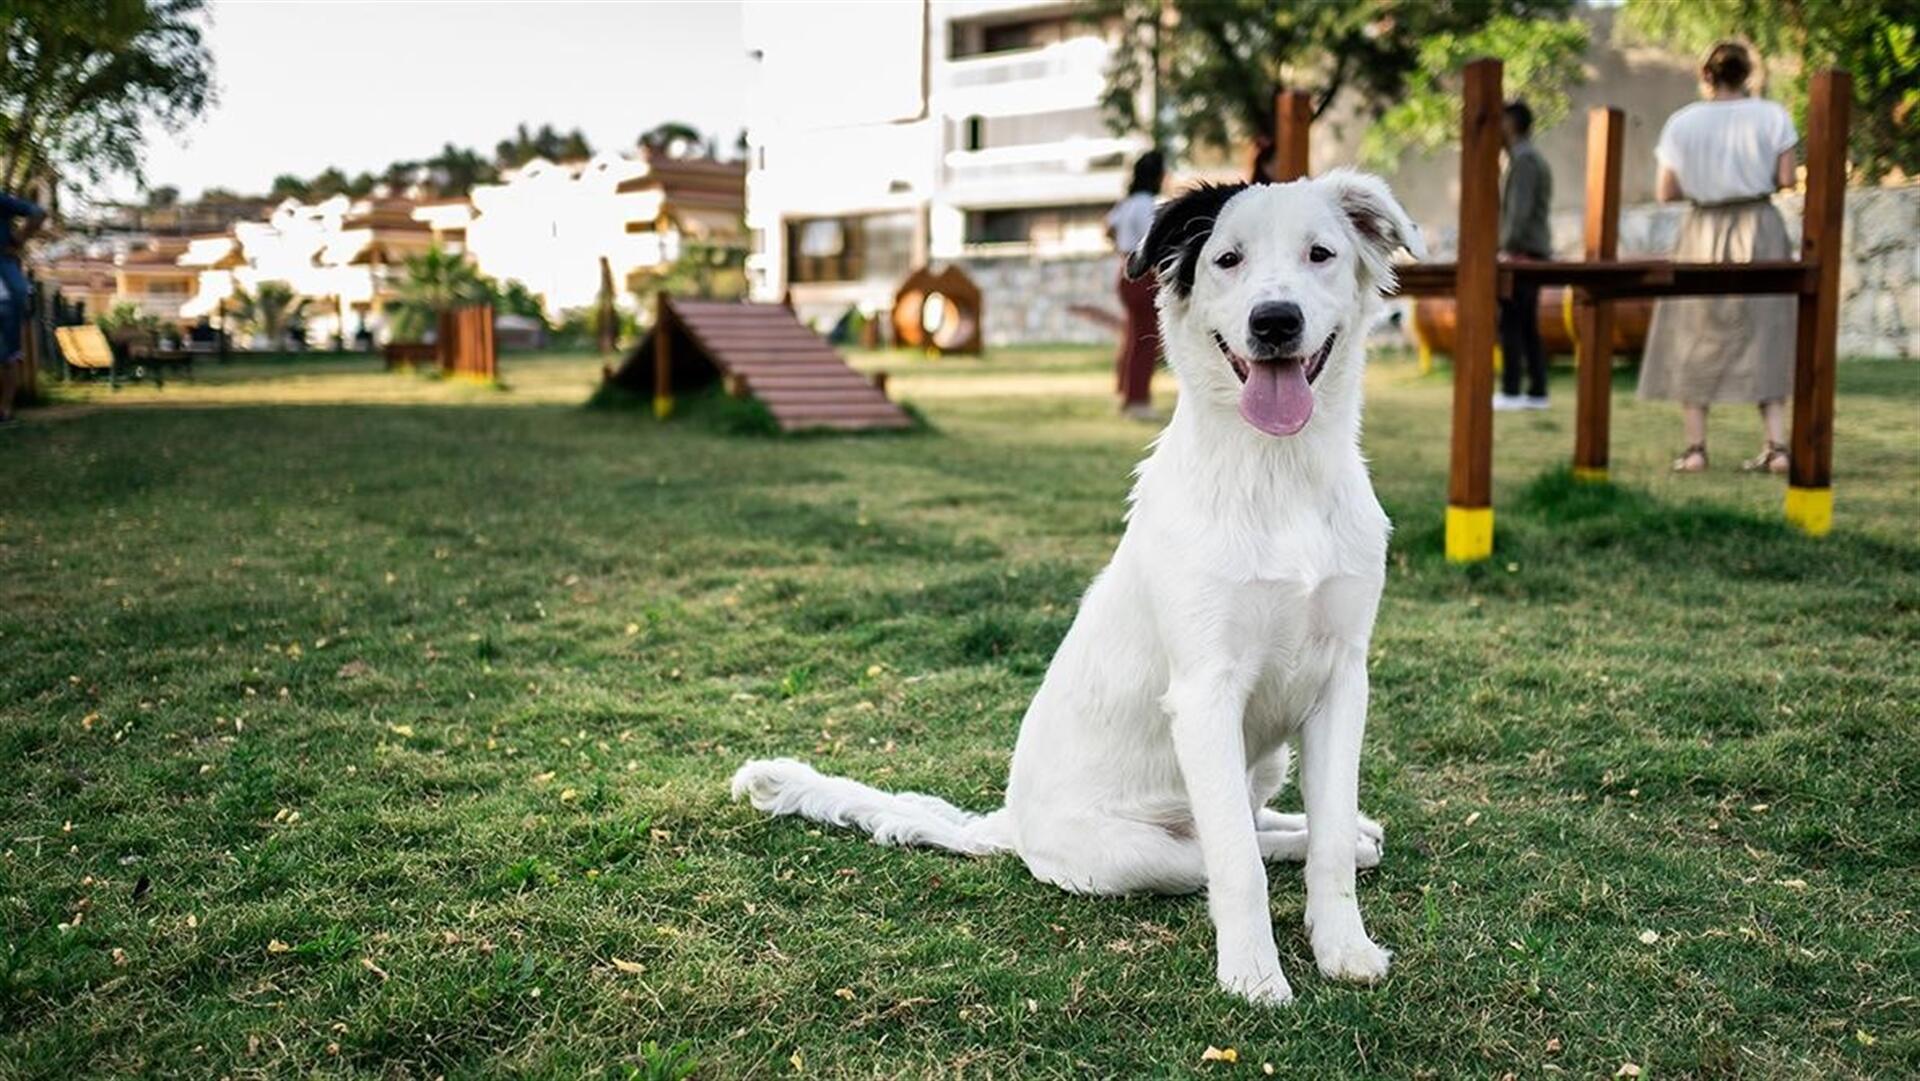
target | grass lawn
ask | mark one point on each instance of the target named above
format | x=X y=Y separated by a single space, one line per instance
x=359 y=724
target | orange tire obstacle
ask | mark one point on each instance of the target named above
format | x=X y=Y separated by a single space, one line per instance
x=941 y=312
x=1477 y=279
x=760 y=351
x=1434 y=320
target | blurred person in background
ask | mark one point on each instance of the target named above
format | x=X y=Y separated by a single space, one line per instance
x=1127 y=224
x=1525 y=233
x=1726 y=155
x=13 y=292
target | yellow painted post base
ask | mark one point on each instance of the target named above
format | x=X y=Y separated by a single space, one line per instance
x=1426 y=358
x=662 y=406
x=1810 y=510
x=1469 y=534
x=1589 y=474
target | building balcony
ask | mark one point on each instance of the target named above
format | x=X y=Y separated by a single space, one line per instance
x=1066 y=75
x=1078 y=165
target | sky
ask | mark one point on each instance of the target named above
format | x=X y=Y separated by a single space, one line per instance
x=304 y=84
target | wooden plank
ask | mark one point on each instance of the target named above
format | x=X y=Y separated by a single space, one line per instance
x=1626 y=278
x=1470 y=471
x=1810 y=477
x=1593 y=314
x=662 y=357
x=1292 y=124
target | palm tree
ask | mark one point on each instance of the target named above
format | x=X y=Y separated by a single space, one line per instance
x=268 y=311
x=435 y=281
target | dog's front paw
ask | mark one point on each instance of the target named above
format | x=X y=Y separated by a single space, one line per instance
x=1355 y=959
x=1262 y=984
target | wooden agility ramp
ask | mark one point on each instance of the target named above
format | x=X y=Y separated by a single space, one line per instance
x=759 y=351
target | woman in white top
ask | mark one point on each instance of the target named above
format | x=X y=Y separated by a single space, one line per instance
x=1726 y=155
x=1127 y=224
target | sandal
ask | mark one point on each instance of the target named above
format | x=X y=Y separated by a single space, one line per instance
x=1684 y=463
x=1772 y=459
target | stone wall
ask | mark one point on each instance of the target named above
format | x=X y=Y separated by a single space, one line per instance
x=1030 y=301
x=1879 y=275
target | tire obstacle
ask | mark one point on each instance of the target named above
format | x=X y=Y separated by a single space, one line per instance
x=941 y=312
x=759 y=351
x=1477 y=279
x=1435 y=323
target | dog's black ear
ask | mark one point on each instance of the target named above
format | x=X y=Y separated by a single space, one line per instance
x=1180 y=228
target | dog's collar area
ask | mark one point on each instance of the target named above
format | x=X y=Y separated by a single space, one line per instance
x=1241 y=364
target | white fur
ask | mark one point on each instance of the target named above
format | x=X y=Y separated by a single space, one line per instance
x=1231 y=625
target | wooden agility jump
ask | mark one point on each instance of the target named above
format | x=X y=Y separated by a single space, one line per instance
x=1477 y=279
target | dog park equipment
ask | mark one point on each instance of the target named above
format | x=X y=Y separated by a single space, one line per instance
x=759 y=351
x=463 y=346
x=1477 y=279
x=941 y=312
x=1433 y=324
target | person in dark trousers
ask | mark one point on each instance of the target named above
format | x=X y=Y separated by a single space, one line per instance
x=1524 y=234
x=1127 y=224
x=13 y=293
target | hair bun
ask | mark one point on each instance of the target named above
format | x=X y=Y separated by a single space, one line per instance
x=1729 y=65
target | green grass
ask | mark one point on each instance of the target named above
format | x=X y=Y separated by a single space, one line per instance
x=390 y=738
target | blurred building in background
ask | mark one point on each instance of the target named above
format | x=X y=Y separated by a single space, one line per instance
x=549 y=224
x=885 y=137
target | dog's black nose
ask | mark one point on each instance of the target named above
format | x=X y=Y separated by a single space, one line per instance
x=1276 y=324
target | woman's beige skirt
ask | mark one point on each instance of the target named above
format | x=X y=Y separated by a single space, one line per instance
x=1706 y=350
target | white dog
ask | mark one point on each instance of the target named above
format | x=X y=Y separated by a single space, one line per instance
x=1233 y=621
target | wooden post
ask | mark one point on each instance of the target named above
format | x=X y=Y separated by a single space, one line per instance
x=1809 y=504
x=1593 y=317
x=1292 y=122
x=1476 y=292
x=662 y=358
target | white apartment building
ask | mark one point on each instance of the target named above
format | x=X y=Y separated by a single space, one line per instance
x=885 y=136
x=549 y=224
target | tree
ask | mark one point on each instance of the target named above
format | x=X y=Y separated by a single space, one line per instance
x=289 y=186
x=673 y=138
x=162 y=197
x=1214 y=66
x=548 y=143
x=269 y=311
x=1878 y=43
x=79 y=79
x=455 y=170
x=436 y=281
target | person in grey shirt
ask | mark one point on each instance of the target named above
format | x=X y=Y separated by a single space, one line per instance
x=1524 y=234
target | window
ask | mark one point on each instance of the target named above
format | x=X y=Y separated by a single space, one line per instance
x=1028 y=129
x=847 y=249
x=983 y=38
x=1081 y=227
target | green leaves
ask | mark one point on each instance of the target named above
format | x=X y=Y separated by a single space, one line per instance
x=80 y=78
x=1215 y=66
x=1542 y=56
x=1879 y=43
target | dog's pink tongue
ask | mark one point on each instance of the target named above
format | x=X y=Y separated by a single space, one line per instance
x=1276 y=398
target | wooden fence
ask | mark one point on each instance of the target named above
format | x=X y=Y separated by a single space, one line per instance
x=1477 y=280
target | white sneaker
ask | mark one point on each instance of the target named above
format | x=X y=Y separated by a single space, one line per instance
x=1532 y=401
x=1508 y=403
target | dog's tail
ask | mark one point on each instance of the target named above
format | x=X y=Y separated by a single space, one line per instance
x=783 y=786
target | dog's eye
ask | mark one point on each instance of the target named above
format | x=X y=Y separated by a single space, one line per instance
x=1319 y=253
x=1227 y=260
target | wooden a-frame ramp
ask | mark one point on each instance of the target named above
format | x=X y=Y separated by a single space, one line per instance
x=760 y=351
